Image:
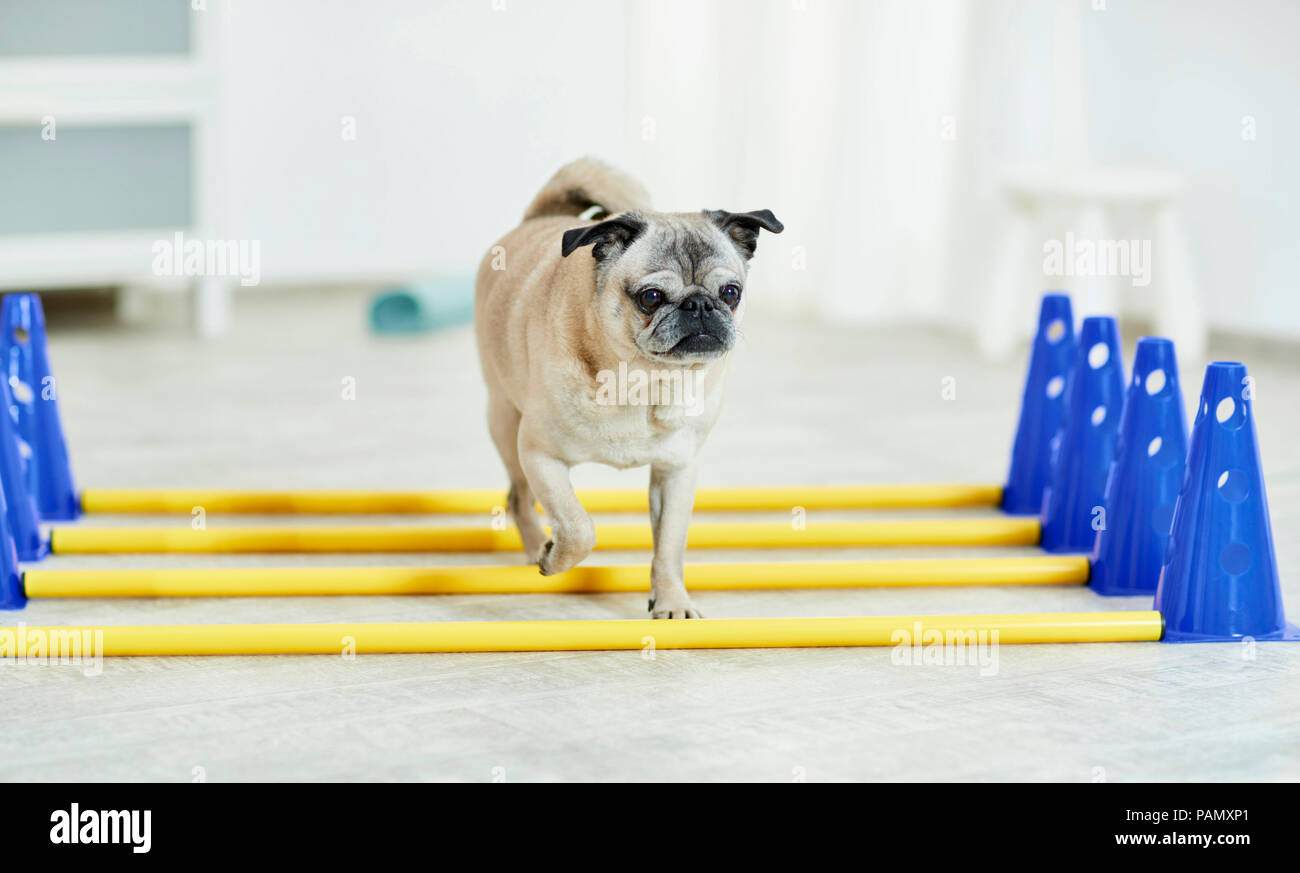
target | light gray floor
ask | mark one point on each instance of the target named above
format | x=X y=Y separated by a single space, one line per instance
x=807 y=404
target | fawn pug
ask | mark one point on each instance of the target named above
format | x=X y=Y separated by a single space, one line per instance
x=561 y=303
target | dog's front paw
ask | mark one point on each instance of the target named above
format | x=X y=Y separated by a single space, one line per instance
x=564 y=552
x=674 y=606
x=544 y=562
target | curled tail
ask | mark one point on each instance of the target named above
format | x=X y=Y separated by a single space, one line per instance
x=584 y=183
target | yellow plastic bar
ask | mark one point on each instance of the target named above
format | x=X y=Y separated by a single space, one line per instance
x=730 y=535
x=308 y=581
x=483 y=501
x=543 y=636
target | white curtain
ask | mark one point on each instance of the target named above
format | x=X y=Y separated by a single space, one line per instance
x=840 y=116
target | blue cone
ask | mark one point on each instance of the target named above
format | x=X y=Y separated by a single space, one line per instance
x=12 y=594
x=1145 y=477
x=1041 y=407
x=1085 y=446
x=1219 y=580
x=35 y=399
x=20 y=508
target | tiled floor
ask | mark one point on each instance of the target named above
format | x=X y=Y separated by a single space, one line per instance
x=807 y=404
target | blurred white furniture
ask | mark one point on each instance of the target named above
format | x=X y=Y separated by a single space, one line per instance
x=1070 y=194
x=1089 y=198
x=107 y=139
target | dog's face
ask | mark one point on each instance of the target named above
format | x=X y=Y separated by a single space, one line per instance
x=672 y=287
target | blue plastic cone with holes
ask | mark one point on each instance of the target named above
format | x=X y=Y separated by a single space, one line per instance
x=1085 y=446
x=1041 y=407
x=20 y=508
x=1145 y=476
x=12 y=594
x=1219 y=581
x=34 y=398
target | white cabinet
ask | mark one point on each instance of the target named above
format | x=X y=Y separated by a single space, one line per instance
x=108 y=116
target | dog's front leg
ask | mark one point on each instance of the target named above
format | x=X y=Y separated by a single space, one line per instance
x=672 y=497
x=573 y=535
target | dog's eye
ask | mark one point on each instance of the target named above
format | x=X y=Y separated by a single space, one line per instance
x=730 y=295
x=650 y=298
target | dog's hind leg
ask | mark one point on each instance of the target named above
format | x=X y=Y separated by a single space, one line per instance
x=503 y=423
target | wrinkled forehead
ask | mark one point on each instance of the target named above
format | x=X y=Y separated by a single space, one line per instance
x=691 y=246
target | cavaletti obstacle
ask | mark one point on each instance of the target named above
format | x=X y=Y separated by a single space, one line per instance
x=750 y=576
x=483 y=501
x=543 y=636
x=1105 y=469
x=703 y=535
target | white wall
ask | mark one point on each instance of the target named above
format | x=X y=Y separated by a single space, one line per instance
x=1167 y=85
x=462 y=112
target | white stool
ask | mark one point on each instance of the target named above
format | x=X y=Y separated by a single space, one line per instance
x=1088 y=200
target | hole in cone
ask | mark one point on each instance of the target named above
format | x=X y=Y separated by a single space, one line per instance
x=1098 y=355
x=22 y=392
x=1233 y=486
x=1227 y=406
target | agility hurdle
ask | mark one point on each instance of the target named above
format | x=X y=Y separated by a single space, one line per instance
x=484 y=500
x=326 y=581
x=1087 y=449
x=1005 y=531
x=574 y=636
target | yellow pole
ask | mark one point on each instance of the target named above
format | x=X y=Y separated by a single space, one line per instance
x=307 y=581
x=1003 y=530
x=540 y=636
x=484 y=500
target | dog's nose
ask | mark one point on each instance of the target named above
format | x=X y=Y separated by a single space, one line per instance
x=697 y=303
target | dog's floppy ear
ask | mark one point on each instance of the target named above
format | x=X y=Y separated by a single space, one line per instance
x=609 y=238
x=743 y=227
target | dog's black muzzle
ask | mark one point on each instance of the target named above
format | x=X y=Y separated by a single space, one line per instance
x=703 y=326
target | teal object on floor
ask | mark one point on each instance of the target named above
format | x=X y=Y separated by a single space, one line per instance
x=423 y=306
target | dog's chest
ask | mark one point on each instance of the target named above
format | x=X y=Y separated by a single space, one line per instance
x=633 y=436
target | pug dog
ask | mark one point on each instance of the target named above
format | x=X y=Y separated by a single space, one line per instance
x=563 y=308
